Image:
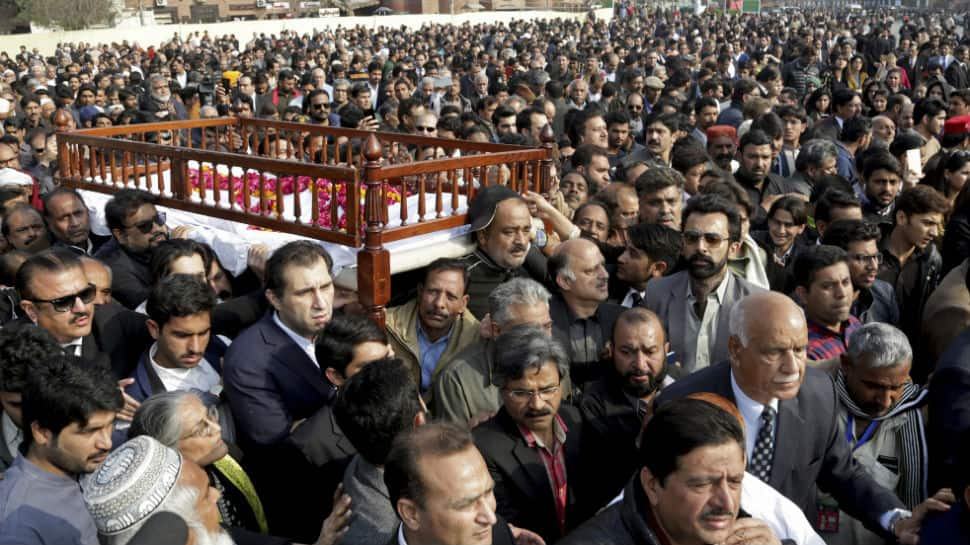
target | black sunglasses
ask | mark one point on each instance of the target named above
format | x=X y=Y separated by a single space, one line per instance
x=321 y=106
x=64 y=304
x=145 y=227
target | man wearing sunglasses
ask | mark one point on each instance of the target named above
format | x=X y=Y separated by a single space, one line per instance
x=57 y=296
x=696 y=303
x=136 y=228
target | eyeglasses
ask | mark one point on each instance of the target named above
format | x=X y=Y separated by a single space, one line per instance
x=526 y=396
x=145 y=227
x=635 y=108
x=867 y=258
x=711 y=239
x=208 y=427
x=424 y=129
x=64 y=304
x=321 y=106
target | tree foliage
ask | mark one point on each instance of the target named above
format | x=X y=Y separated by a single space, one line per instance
x=67 y=14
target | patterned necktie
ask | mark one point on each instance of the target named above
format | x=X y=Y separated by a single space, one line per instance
x=764 y=446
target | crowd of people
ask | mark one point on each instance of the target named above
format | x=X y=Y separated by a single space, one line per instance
x=739 y=314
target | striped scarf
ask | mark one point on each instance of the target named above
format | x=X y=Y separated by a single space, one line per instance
x=911 y=436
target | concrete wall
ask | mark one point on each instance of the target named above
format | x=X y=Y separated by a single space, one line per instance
x=152 y=35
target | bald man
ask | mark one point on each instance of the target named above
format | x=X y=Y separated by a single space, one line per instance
x=793 y=441
x=582 y=320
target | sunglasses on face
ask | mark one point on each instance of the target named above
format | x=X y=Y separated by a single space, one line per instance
x=145 y=227
x=321 y=106
x=64 y=304
x=424 y=129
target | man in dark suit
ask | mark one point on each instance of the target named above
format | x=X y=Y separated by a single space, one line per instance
x=614 y=406
x=270 y=375
x=695 y=304
x=69 y=222
x=56 y=296
x=430 y=470
x=582 y=320
x=532 y=446
x=846 y=104
x=794 y=441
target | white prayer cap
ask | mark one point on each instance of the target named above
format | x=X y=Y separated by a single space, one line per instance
x=12 y=176
x=131 y=484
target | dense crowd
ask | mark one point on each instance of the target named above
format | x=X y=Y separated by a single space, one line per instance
x=738 y=314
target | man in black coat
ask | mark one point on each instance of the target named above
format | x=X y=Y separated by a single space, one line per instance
x=136 y=227
x=950 y=409
x=56 y=295
x=532 y=446
x=613 y=407
x=793 y=438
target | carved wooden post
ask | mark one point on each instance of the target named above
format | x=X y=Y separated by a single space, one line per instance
x=63 y=125
x=374 y=261
x=548 y=138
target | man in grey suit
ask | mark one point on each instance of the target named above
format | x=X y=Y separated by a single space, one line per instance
x=794 y=440
x=694 y=304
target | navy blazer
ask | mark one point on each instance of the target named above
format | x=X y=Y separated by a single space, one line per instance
x=146 y=380
x=809 y=449
x=271 y=383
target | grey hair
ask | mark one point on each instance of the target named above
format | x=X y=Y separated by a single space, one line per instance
x=518 y=291
x=341 y=81
x=814 y=153
x=879 y=346
x=157 y=417
x=526 y=347
x=426 y=80
x=481 y=76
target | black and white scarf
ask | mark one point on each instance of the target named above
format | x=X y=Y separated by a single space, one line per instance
x=911 y=437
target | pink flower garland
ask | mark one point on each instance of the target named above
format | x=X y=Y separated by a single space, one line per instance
x=209 y=179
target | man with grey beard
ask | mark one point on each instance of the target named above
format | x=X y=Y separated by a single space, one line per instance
x=159 y=103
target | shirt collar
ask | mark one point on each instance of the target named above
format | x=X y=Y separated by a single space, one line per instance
x=719 y=293
x=305 y=344
x=422 y=336
x=559 y=430
x=750 y=409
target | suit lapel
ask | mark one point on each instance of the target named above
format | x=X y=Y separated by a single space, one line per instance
x=677 y=312
x=286 y=352
x=526 y=471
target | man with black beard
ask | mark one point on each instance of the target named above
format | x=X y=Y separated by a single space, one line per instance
x=696 y=303
x=158 y=102
x=613 y=407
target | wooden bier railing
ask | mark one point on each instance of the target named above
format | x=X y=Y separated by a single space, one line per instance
x=250 y=163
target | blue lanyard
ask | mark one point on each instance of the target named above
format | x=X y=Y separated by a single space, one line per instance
x=866 y=435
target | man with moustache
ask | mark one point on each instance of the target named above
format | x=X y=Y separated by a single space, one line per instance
x=695 y=304
x=824 y=287
x=532 y=445
x=875 y=299
x=158 y=102
x=582 y=320
x=661 y=194
x=793 y=441
x=56 y=295
x=136 y=227
x=881 y=183
x=722 y=146
x=658 y=130
x=24 y=229
x=613 y=407
x=69 y=221
x=68 y=415
x=501 y=227
x=879 y=412
x=755 y=153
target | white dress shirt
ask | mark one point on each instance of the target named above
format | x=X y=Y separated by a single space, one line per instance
x=202 y=377
x=305 y=344
x=751 y=412
x=628 y=300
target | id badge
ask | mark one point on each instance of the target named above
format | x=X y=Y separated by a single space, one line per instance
x=828 y=518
